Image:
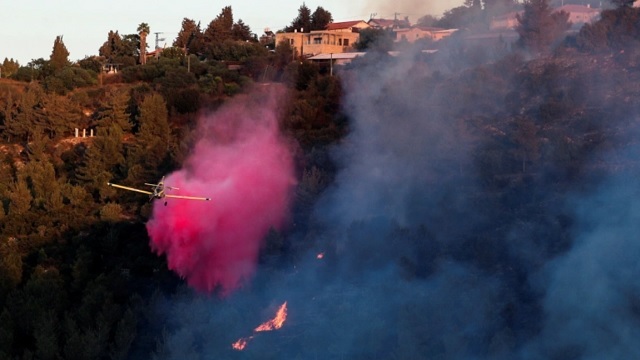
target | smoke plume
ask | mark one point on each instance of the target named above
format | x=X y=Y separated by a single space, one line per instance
x=245 y=166
x=423 y=259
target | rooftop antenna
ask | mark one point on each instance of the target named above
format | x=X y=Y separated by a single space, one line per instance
x=158 y=39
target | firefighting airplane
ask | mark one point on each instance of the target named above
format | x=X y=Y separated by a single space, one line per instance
x=158 y=191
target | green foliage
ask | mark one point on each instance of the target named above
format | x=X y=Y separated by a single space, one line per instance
x=111 y=212
x=281 y=58
x=302 y=22
x=59 y=55
x=93 y=64
x=153 y=138
x=375 y=39
x=69 y=78
x=59 y=116
x=231 y=89
x=220 y=28
x=23 y=123
x=320 y=19
x=307 y=73
x=19 y=197
x=461 y=17
x=6 y=333
x=10 y=266
x=241 y=32
x=113 y=115
x=26 y=74
x=120 y=50
x=187 y=35
x=232 y=50
x=125 y=334
x=46 y=337
x=616 y=29
x=540 y=27
x=173 y=53
x=101 y=161
x=8 y=68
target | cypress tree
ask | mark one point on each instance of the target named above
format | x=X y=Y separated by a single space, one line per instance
x=59 y=55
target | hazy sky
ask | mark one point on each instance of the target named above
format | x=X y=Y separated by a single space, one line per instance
x=28 y=28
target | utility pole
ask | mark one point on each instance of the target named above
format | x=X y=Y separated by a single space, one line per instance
x=331 y=65
x=158 y=39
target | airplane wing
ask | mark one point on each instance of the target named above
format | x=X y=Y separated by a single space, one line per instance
x=187 y=197
x=130 y=188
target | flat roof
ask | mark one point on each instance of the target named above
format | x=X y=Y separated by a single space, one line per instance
x=337 y=56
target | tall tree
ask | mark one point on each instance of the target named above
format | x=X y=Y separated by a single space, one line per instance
x=219 y=29
x=375 y=39
x=26 y=118
x=112 y=47
x=59 y=55
x=188 y=36
x=320 y=19
x=143 y=31
x=114 y=113
x=19 y=198
x=8 y=68
x=540 y=27
x=302 y=22
x=59 y=116
x=101 y=161
x=241 y=31
x=152 y=141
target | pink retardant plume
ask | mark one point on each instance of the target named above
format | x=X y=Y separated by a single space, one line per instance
x=246 y=167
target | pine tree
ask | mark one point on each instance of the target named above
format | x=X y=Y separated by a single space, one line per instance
x=240 y=31
x=46 y=336
x=6 y=330
x=101 y=161
x=219 y=29
x=26 y=117
x=45 y=188
x=320 y=19
x=540 y=26
x=60 y=116
x=112 y=47
x=189 y=32
x=152 y=141
x=114 y=113
x=9 y=67
x=7 y=115
x=10 y=267
x=302 y=23
x=59 y=55
x=19 y=198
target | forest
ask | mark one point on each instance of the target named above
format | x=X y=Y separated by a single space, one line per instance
x=478 y=202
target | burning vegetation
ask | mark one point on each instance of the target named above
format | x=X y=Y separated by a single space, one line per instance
x=465 y=209
x=269 y=325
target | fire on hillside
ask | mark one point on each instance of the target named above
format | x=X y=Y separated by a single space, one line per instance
x=269 y=325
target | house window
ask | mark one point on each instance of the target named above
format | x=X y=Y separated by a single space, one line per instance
x=345 y=42
x=290 y=41
x=317 y=40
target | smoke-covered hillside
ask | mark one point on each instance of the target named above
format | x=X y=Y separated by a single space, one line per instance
x=488 y=213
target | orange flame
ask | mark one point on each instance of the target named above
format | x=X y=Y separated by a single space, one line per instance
x=241 y=343
x=273 y=324
x=276 y=322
